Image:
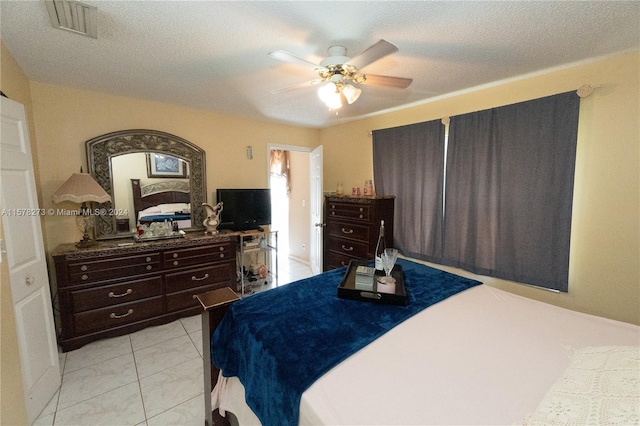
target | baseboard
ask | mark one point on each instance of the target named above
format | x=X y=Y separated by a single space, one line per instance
x=297 y=259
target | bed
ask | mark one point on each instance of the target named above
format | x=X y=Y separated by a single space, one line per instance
x=479 y=356
x=159 y=201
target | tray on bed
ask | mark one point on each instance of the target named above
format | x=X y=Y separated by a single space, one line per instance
x=347 y=288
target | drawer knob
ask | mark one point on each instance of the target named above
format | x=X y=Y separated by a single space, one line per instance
x=84 y=276
x=345 y=248
x=148 y=259
x=333 y=206
x=361 y=209
x=84 y=268
x=221 y=255
x=126 y=293
x=360 y=216
x=221 y=248
x=333 y=213
x=113 y=315
x=193 y=278
x=175 y=255
x=347 y=231
x=175 y=263
x=149 y=267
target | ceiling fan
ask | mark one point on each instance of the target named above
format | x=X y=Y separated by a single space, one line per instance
x=339 y=71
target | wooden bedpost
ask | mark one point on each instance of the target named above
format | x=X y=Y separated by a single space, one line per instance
x=215 y=304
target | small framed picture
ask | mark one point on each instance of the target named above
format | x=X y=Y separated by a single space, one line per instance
x=165 y=166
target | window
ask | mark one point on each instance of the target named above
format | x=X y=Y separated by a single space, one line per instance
x=509 y=190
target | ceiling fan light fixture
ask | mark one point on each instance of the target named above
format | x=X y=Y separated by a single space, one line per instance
x=325 y=91
x=337 y=70
x=360 y=78
x=351 y=93
x=330 y=95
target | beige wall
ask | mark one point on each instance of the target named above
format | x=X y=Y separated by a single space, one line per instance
x=604 y=277
x=299 y=213
x=65 y=118
x=13 y=411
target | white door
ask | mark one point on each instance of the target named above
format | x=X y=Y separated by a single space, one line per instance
x=315 y=196
x=26 y=262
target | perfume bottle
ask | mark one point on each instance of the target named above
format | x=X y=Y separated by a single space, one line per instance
x=368 y=187
x=380 y=247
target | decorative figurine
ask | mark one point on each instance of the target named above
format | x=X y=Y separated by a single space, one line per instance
x=212 y=220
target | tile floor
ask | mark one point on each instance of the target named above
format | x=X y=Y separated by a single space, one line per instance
x=150 y=377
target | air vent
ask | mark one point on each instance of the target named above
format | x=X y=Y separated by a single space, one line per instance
x=73 y=16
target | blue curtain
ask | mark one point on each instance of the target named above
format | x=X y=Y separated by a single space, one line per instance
x=509 y=192
x=408 y=162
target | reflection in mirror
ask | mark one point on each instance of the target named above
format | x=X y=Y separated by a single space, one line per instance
x=158 y=157
x=136 y=167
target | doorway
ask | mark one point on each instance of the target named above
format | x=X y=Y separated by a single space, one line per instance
x=280 y=211
x=290 y=199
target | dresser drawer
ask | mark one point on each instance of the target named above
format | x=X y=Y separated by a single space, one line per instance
x=198 y=277
x=185 y=299
x=197 y=256
x=79 y=268
x=337 y=260
x=87 y=272
x=113 y=316
x=113 y=294
x=350 y=248
x=349 y=211
x=348 y=230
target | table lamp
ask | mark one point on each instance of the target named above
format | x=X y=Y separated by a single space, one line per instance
x=82 y=188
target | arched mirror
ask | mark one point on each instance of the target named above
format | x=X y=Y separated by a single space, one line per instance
x=147 y=173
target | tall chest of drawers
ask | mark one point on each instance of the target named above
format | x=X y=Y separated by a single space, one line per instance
x=110 y=290
x=352 y=227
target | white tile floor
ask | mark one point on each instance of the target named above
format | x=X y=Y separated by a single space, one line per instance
x=150 y=377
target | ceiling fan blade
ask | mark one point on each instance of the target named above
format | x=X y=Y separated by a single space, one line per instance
x=377 y=51
x=386 y=81
x=285 y=56
x=297 y=86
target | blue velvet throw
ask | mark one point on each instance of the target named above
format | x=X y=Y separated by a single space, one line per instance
x=279 y=342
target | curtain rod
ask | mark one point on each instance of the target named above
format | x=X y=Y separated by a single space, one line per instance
x=583 y=91
x=586 y=89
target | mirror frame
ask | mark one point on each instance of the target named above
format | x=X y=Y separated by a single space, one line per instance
x=101 y=149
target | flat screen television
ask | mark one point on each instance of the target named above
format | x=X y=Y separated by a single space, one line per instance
x=244 y=209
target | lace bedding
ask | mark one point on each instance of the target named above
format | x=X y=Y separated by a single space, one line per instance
x=601 y=386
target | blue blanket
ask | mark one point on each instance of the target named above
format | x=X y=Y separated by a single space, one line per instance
x=280 y=341
x=166 y=216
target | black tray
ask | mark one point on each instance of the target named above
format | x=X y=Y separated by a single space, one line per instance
x=347 y=288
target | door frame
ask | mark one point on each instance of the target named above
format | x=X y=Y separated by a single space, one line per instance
x=298 y=148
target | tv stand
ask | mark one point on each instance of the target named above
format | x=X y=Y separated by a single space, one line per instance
x=256 y=247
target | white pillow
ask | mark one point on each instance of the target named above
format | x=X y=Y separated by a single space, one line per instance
x=174 y=207
x=152 y=209
x=601 y=386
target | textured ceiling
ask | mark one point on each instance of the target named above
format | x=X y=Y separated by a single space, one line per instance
x=213 y=55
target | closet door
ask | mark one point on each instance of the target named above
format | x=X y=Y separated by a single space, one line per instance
x=26 y=262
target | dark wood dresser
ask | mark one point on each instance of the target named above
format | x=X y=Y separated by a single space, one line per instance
x=112 y=289
x=352 y=227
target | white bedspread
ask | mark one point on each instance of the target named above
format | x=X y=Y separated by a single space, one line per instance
x=483 y=357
